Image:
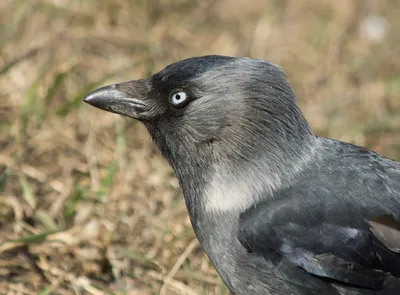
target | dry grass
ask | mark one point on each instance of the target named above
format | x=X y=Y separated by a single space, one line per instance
x=87 y=205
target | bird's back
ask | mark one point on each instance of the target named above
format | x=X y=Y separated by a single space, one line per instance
x=326 y=211
x=355 y=174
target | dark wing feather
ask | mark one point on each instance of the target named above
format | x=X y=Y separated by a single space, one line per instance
x=329 y=239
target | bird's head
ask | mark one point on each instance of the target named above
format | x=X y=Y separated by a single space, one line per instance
x=213 y=115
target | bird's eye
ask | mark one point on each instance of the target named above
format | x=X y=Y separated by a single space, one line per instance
x=178 y=98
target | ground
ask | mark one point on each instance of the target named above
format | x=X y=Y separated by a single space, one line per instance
x=87 y=205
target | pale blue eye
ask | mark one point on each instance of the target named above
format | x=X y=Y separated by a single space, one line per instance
x=178 y=98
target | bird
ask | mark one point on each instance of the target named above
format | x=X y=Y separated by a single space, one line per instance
x=277 y=209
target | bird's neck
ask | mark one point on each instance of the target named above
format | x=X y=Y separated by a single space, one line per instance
x=227 y=183
x=239 y=185
x=232 y=176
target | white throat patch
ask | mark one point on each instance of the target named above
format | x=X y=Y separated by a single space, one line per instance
x=229 y=190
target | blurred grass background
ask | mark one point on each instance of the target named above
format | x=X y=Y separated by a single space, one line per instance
x=87 y=205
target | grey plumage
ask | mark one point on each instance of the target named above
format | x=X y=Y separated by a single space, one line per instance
x=277 y=209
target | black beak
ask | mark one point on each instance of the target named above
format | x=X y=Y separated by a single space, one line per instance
x=127 y=99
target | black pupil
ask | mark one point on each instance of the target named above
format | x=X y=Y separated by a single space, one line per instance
x=178 y=97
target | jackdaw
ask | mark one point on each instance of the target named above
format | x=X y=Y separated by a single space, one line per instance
x=277 y=209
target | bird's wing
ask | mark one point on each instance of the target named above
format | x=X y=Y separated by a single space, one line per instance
x=327 y=238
